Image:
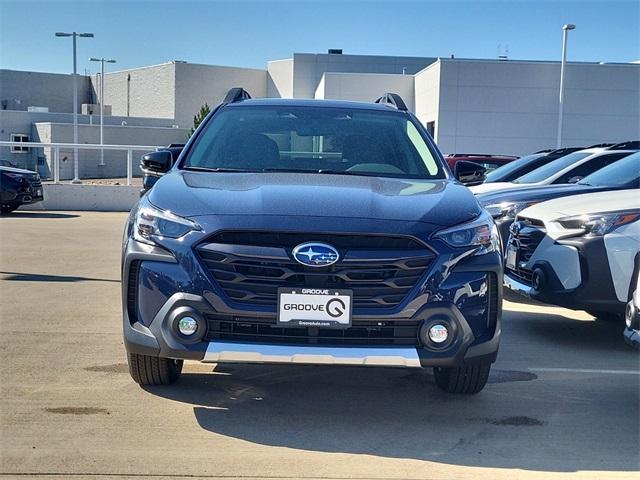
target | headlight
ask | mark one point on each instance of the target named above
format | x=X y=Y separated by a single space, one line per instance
x=152 y=222
x=481 y=233
x=598 y=223
x=507 y=209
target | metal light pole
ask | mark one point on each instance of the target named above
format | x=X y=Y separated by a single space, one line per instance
x=102 y=62
x=565 y=34
x=76 y=179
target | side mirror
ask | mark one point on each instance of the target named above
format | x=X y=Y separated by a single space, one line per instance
x=156 y=163
x=470 y=173
x=575 y=179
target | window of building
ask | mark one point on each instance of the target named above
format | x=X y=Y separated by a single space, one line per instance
x=19 y=137
x=431 y=128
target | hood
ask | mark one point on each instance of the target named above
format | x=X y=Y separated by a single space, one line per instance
x=600 y=202
x=17 y=170
x=538 y=193
x=192 y=194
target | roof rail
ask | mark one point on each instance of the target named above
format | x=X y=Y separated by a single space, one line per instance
x=236 y=94
x=628 y=145
x=394 y=100
x=601 y=145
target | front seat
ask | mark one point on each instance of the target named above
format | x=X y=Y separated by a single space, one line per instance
x=257 y=151
x=358 y=149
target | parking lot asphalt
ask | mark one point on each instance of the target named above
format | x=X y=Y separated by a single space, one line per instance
x=563 y=398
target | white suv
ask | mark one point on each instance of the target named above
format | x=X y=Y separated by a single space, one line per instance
x=577 y=252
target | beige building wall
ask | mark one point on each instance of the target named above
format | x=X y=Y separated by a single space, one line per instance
x=365 y=87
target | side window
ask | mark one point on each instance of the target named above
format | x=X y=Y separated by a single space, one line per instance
x=421 y=148
x=589 y=167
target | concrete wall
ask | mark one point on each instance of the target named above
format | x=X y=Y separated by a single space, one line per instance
x=365 y=87
x=105 y=198
x=115 y=161
x=12 y=121
x=427 y=94
x=142 y=92
x=512 y=107
x=308 y=68
x=196 y=85
x=280 y=78
x=34 y=89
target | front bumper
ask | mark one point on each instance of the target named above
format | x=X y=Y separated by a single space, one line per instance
x=22 y=193
x=632 y=337
x=573 y=273
x=166 y=283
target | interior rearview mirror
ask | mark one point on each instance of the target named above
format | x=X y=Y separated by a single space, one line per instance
x=470 y=173
x=575 y=179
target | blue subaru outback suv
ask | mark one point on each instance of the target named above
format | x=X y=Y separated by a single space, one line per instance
x=312 y=232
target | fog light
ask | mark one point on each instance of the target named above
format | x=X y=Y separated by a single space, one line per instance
x=187 y=326
x=438 y=333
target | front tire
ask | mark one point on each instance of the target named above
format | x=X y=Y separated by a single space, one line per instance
x=148 y=370
x=466 y=379
x=7 y=209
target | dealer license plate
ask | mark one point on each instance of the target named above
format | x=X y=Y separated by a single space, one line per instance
x=314 y=307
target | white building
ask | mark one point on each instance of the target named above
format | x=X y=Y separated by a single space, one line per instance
x=469 y=105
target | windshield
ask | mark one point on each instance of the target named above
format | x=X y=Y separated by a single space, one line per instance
x=550 y=169
x=500 y=173
x=617 y=174
x=315 y=140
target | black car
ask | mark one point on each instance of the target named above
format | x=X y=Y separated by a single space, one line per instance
x=315 y=232
x=505 y=205
x=18 y=187
x=526 y=164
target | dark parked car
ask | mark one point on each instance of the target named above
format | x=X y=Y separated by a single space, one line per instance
x=505 y=205
x=526 y=164
x=18 y=187
x=315 y=232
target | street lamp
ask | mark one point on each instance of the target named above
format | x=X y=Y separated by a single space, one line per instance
x=75 y=98
x=565 y=33
x=102 y=62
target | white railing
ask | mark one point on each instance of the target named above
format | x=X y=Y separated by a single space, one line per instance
x=55 y=148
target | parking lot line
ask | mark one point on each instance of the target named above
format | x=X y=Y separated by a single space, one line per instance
x=585 y=370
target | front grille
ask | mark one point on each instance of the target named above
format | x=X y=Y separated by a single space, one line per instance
x=222 y=327
x=251 y=266
x=526 y=241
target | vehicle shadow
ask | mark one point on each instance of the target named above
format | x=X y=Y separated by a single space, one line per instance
x=38 y=214
x=38 y=277
x=397 y=413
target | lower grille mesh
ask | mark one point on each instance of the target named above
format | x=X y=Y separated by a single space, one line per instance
x=221 y=327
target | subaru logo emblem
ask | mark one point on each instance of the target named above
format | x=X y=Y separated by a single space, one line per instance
x=314 y=254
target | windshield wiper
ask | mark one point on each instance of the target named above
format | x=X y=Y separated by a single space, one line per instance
x=217 y=169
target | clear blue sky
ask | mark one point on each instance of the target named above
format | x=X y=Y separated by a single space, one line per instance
x=139 y=33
